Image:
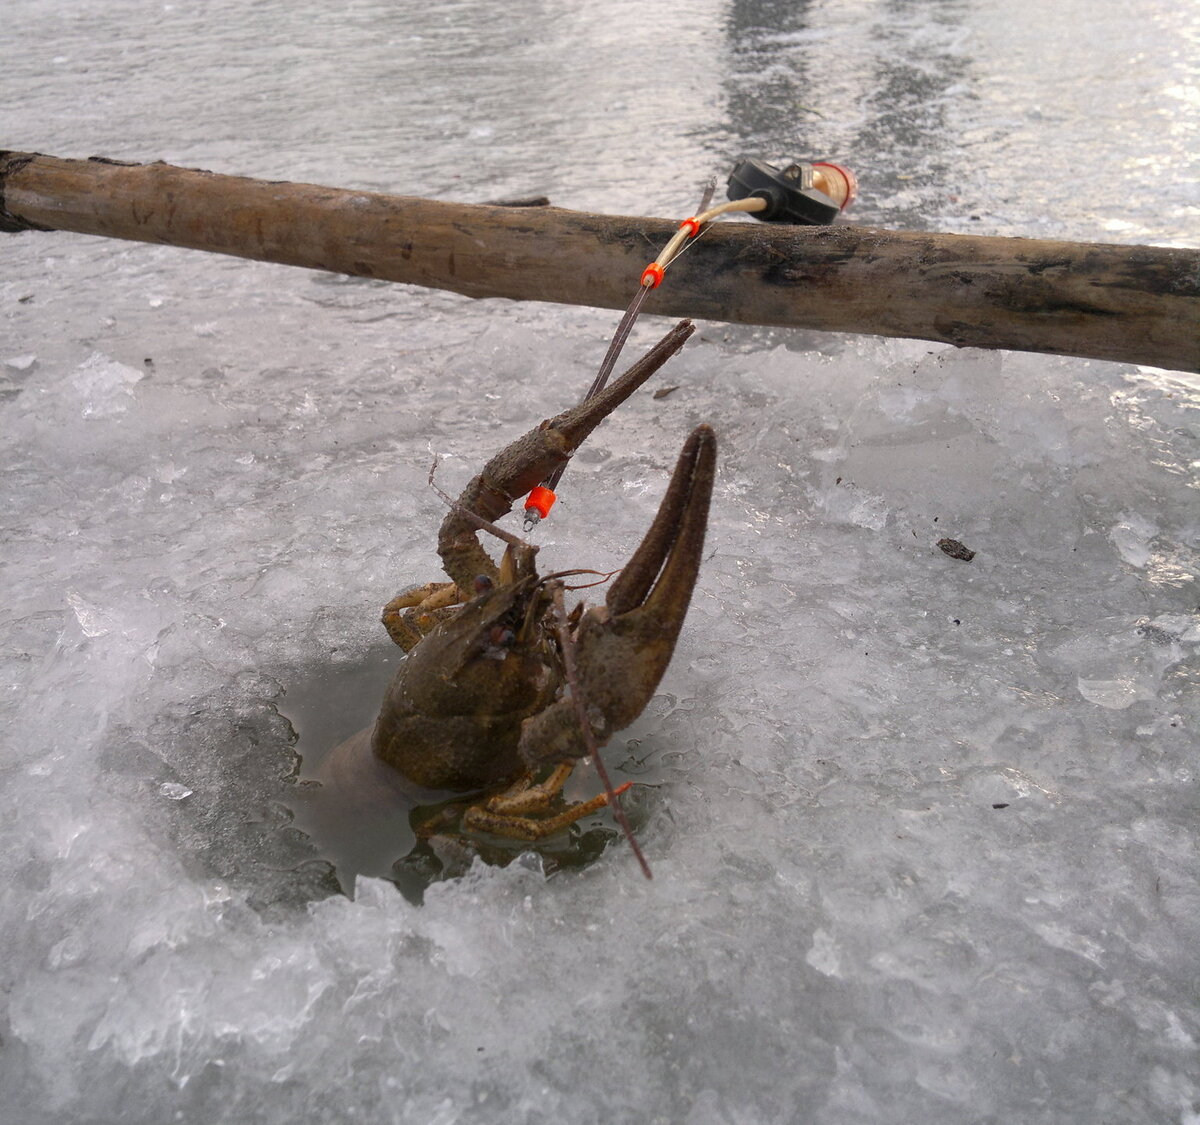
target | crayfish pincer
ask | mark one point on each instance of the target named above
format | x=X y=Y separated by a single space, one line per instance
x=499 y=679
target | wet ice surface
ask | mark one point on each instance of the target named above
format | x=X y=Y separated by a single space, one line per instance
x=923 y=830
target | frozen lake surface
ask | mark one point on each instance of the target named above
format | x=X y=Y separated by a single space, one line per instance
x=924 y=831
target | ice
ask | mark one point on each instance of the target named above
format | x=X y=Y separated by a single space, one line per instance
x=103 y=386
x=923 y=830
x=1116 y=694
x=887 y=810
x=1131 y=536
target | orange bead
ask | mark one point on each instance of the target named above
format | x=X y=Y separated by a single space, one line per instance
x=541 y=500
x=652 y=275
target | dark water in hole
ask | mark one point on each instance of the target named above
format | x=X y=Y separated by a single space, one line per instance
x=327 y=707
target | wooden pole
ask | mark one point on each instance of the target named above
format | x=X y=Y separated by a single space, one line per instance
x=1135 y=303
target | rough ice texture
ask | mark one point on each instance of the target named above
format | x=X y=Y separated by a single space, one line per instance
x=923 y=830
x=924 y=839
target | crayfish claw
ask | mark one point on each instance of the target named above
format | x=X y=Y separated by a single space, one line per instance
x=622 y=649
x=670 y=550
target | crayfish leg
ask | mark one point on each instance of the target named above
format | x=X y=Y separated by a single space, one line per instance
x=527 y=797
x=479 y=819
x=415 y=611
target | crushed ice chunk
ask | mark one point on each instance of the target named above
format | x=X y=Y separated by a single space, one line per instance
x=105 y=385
x=1177 y=627
x=1131 y=537
x=823 y=956
x=21 y=363
x=94 y=621
x=1115 y=694
x=1177 y=1035
x=1061 y=937
x=850 y=504
x=169 y=473
x=70 y=950
x=173 y=791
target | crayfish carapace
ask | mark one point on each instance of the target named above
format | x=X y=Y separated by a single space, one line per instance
x=498 y=678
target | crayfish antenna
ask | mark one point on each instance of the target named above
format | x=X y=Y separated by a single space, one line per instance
x=567 y=643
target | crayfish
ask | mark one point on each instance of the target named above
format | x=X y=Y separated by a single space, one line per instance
x=492 y=697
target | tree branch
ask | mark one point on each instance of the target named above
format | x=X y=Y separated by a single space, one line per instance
x=1135 y=303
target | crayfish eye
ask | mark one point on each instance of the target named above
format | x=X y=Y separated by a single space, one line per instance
x=502 y=636
x=483 y=584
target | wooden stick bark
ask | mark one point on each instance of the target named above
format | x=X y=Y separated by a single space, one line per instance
x=1135 y=303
